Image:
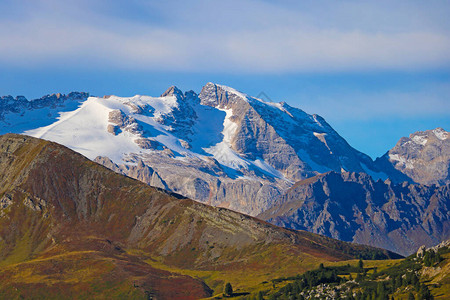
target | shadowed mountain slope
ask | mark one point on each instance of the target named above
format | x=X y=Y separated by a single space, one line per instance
x=353 y=207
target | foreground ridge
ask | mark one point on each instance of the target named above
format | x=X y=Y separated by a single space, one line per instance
x=62 y=214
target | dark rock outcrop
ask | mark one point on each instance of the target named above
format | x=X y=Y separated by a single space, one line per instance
x=9 y=104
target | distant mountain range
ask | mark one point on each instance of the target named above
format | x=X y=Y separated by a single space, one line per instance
x=353 y=207
x=225 y=148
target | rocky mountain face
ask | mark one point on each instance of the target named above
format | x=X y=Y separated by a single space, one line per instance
x=293 y=142
x=353 y=207
x=9 y=104
x=423 y=158
x=220 y=147
x=69 y=225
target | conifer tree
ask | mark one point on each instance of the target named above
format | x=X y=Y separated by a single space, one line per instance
x=228 y=290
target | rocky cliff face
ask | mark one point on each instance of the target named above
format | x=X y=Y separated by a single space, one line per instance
x=354 y=207
x=423 y=157
x=293 y=142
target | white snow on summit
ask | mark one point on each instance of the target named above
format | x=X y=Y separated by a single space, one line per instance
x=222 y=151
x=247 y=98
x=231 y=91
x=85 y=131
x=189 y=127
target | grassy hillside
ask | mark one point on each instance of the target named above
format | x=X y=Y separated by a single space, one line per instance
x=425 y=276
x=70 y=228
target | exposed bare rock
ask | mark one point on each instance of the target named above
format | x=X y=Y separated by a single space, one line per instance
x=157 y=181
x=119 y=118
x=228 y=149
x=20 y=104
x=136 y=109
x=123 y=122
x=297 y=144
x=140 y=171
x=173 y=91
x=220 y=147
x=424 y=158
x=146 y=143
x=113 y=129
x=354 y=207
x=421 y=251
x=34 y=204
x=182 y=116
x=443 y=244
x=5 y=201
x=203 y=180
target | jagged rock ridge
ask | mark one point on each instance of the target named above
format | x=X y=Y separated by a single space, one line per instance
x=423 y=158
x=354 y=207
x=19 y=104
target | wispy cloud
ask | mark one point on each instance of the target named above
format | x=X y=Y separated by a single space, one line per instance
x=245 y=36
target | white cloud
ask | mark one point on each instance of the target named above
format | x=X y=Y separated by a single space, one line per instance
x=333 y=50
x=217 y=36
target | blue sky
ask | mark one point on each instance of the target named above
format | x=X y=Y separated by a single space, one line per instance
x=375 y=70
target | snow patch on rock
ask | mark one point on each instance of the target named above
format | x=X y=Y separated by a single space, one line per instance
x=419 y=139
x=440 y=133
x=401 y=160
x=222 y=151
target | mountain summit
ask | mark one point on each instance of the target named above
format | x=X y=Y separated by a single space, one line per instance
x=423 y=157
x=293 y=142
x=221 y=147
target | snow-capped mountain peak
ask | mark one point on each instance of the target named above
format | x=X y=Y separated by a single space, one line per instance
x=440 y=133
x=245 y=134
x=173 y=91
x=423 y=157
x=218 y=136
